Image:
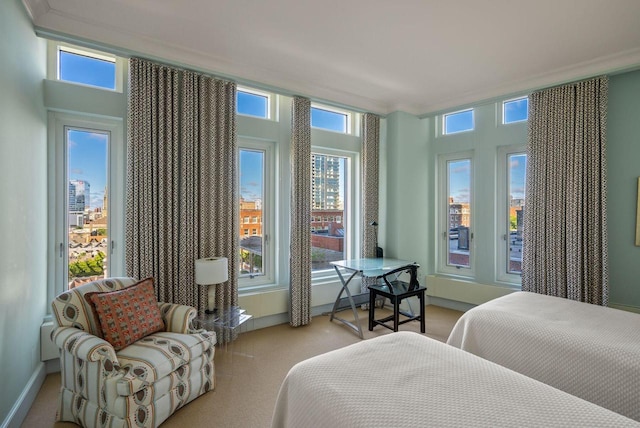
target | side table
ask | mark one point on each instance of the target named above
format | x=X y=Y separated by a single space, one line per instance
x=228 y=324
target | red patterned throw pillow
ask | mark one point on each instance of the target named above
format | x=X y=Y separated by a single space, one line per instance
x=129 y=314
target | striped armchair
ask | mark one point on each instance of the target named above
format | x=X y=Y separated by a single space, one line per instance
x=140 y=385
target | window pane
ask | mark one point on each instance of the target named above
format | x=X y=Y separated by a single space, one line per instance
x=459 y=191
x=87 y=70
x=517 y=164
x=87 y=205
x=329 y=120
x=327 y=210
x=458 y=122
x=252 y=104
x=251 y=197
x=515 y=110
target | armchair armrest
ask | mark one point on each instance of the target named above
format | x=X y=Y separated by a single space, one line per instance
x=83 y=345
x=177 y=318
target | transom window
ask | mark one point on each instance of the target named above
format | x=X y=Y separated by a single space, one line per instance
x=87 y=68
x=459 y=121
x=251 y=102
x=330 y=119
x=516 y=110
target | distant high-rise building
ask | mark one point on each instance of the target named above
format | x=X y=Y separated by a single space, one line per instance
x=325 y=183
x=79 y=199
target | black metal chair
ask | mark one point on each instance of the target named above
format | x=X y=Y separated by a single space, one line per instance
x=396 y=290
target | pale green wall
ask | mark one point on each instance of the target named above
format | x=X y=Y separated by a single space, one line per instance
x=23 y=217
x=412 y=143
x=623 y=157
x=407 y=205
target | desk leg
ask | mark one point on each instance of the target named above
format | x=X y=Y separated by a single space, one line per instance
x=357 y=328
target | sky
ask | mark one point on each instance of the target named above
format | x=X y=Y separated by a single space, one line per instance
x=87 y=160
x=460 y=179
x=87 y=151
x=459 y=171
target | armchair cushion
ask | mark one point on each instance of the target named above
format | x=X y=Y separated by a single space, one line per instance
x=129 y=314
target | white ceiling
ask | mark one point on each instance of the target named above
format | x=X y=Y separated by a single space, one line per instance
x=417 y=56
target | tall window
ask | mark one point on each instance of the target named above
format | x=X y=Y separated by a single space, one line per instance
x=256 y=261
x=87 y=204
x=329 y=206
x=456 y=208
x=86 y=152
x=512 y=190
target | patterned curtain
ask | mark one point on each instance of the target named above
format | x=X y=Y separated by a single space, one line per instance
x=565 y=223
x=370 y=171
x=181 y=180
x=370 y=168
x=300 y=239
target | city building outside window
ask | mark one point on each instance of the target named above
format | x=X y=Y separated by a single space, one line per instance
x=329 y=178
x=511 y=191
x=456 y=209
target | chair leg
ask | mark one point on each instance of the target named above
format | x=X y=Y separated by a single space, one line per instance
x=396 y=313
x=422 y=320
x=372 y=308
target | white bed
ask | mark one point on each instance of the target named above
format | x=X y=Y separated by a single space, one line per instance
x=405 y=379
x=589 y=351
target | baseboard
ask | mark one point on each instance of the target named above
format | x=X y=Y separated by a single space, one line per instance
x=625 y=307
x=449 y=304
x=21 y=407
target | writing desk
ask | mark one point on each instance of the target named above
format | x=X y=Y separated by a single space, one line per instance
x=370 y=267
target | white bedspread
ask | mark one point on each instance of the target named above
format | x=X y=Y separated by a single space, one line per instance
x=407 y=380
x=586 y=350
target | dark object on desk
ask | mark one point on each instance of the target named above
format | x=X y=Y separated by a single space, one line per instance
x=378 y=249
x=396 y=290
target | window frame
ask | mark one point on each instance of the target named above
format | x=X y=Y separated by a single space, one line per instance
x=272 y=107
x=453 y=113
x=510 y=100
x=53 y=63
x=269 y=202
x=351 y=209
x=57 y=201
x=502 y=218
x=442 y=215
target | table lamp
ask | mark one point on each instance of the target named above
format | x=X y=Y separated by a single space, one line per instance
x=211 y=271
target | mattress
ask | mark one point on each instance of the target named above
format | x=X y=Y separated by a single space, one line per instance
x=589 y=351
x=405 y=379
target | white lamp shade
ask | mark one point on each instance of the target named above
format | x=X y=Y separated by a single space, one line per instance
x=212 y=270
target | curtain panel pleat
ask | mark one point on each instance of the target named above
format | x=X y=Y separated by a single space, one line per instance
x=300 y=235
x=565 y=227
x=370 y=174
x=181 y=180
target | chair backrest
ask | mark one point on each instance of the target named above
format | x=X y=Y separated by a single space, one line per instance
x=411 y=269
x=71 y=309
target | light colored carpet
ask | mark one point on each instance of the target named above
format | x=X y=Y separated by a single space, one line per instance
x=249 y=372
